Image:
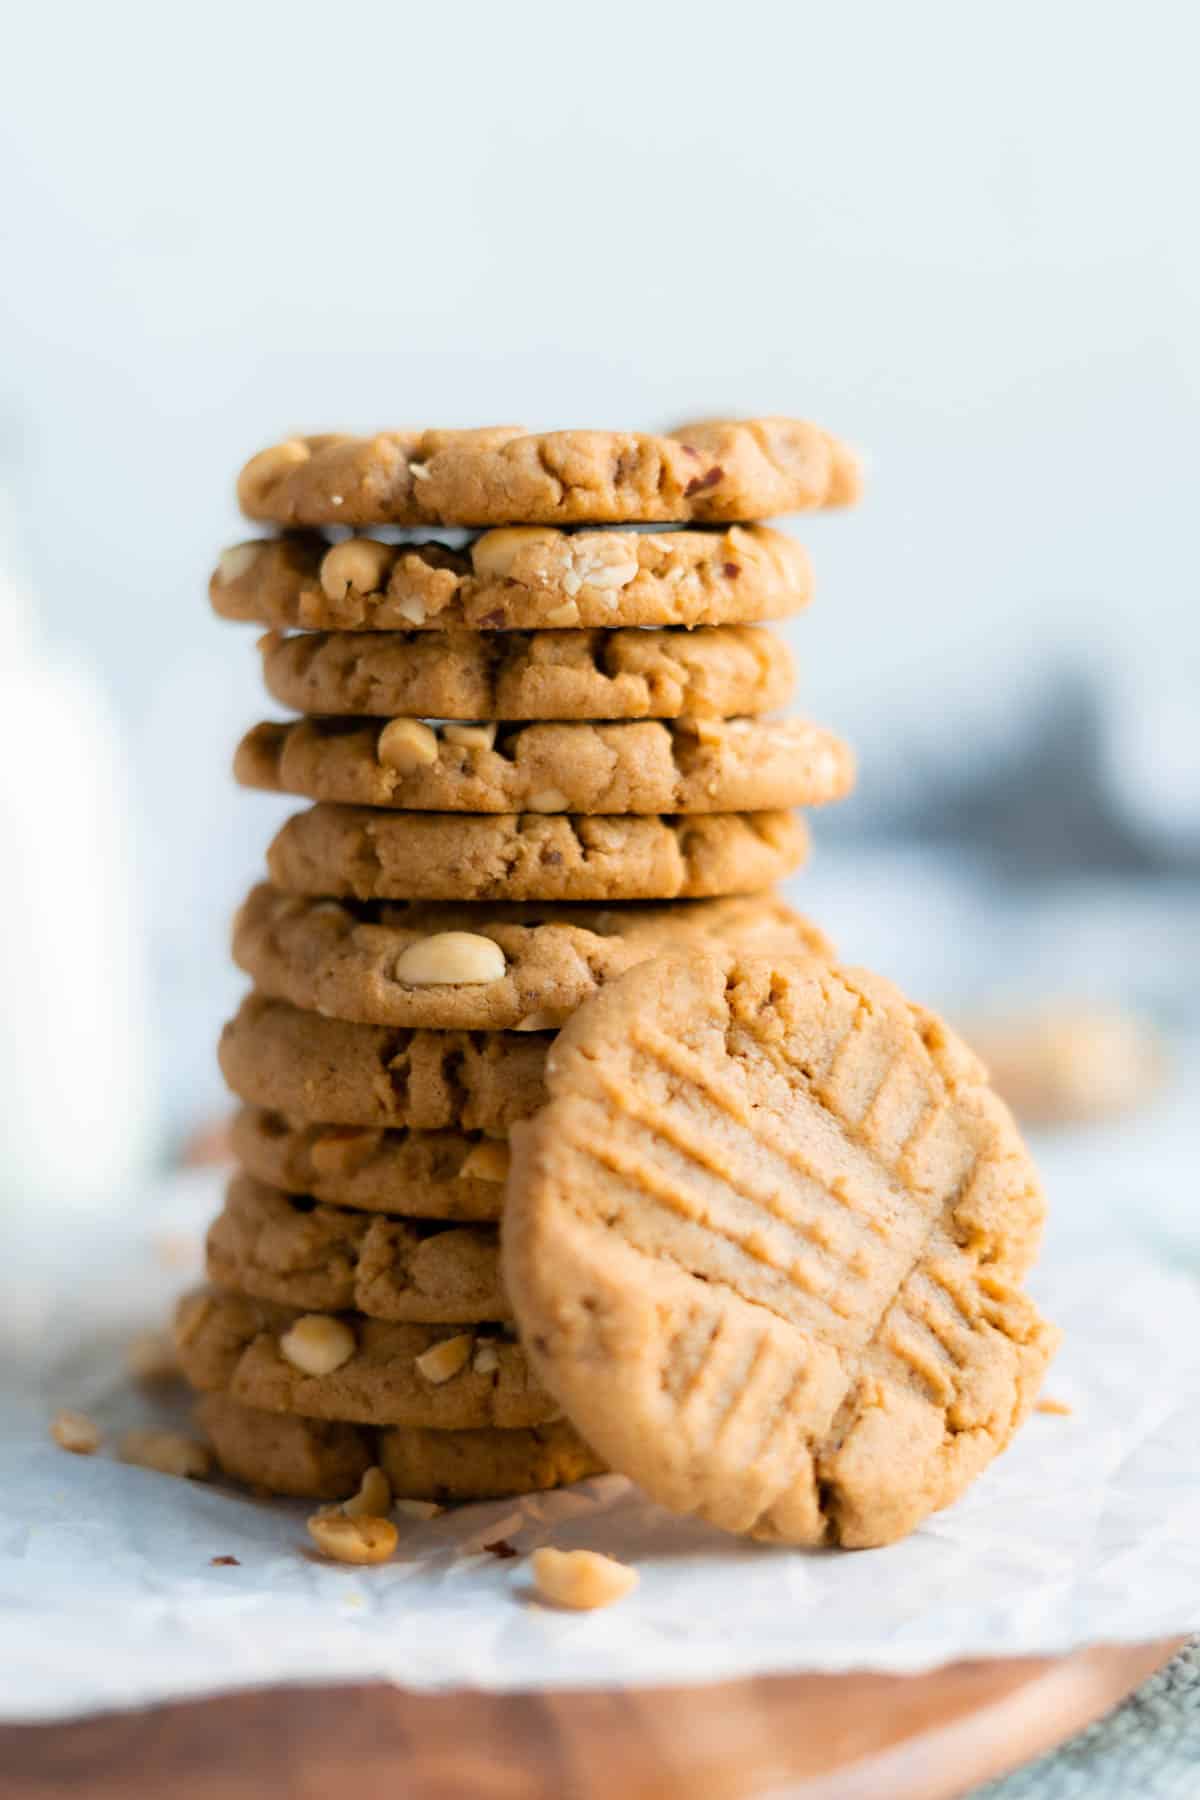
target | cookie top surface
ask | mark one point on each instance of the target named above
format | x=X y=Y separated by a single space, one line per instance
x=521 y=578
x=323 y=1460
x=716 y=671
x=516 y=967
x=230 y=1343
x=763 y=1243
x=638 y=766
x=717 y=470
x=278 y=1246
x=422 y=1174
x=326 y=1070
x=363 y=853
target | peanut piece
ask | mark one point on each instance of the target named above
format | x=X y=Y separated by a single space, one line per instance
x=548 y=800
x=581 y=1579
x=353 y=1540
x=237 y=561
x=495 y=554
x=486 y=1360
x=538 y=1021
x=263 y=471
x=470 y=737
x=360 y=563
x=486 y=1162
x=451 y=958
x=373 y=1499
x=441 y=1362
x=406 y=744
x=566 y=614
x=417 y=1509
x=75 y=1432
x=317 y=1344
x=167 y=1452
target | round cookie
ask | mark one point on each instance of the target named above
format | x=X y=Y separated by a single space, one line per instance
x=361 y=852
x=640 y=766
x=717 y=671
x=229 y=1343
x=313 y=1068
x=422 y=1174
x=290 y=1248
x=520 y=578
x=718 y=470
x=344 y=959
x=763 y=1245
x=314 y=1459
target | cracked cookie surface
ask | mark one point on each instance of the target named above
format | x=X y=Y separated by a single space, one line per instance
x=291 y=1248
x=641 y=766
x=363 y=853
x=337 y=1073
x=313 y=1459
x=715 y=470
x=230 y=1343
x=716 y=671
x=764 y=1245
x=520 y=578
x=345 y=959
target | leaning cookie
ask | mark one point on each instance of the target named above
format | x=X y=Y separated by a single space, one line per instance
x=422 y=1174
x=520 y=578
x=356 y=1370
x=307 y=1067
x=639 y=766
x=363 y=853
x=290 y=1248
x=716 y=671
x=720 y=470
x=764 y=1245
x=493 y=968
x=316 y=1459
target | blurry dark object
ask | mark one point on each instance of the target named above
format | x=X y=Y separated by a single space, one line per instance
x=1070 y=1064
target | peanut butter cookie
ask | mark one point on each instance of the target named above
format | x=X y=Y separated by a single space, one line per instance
x=719 y=470
x=520 y=578
x=715 y=672
x=422 y=1174
x=361 y=852
x=764 y=1245
x=640 y=766
x=356 y=1370
x=490 y=968
x=314 y=1459
x=290 y=1248
x=312 y=1068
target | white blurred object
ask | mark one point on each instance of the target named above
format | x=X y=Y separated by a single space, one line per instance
x=76 y=1104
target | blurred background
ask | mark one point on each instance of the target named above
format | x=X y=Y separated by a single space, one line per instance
x=963 y=238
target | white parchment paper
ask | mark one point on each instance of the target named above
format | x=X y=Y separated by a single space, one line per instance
x=1087 y=1530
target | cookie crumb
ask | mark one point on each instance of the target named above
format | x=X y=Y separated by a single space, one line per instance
x=225 y=1562
x=1059 y=1408
x=501 y=1548
x=167 y=1453
x=75 y=1432
x=581 y=1580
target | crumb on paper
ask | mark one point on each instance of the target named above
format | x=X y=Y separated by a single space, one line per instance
x=76 y=1432
x=167 y=1453
x=581 y=1580
x=1061 y=1409
x=502 y=1548
x=225 y=1562
x=1066 y=1065
x=417 y=1509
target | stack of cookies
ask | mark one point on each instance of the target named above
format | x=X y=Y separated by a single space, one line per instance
x=534 y=758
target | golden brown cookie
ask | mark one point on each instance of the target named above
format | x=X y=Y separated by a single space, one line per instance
x=638 y=766
x=282 y=1360
x=717 y=470
x=716 y=672
x=763 y=1245
x=314 y=1459
x=291 y=1248
x=521 y=578
x=489 y=968
x=312 y=1068
x=360 y=852
x=422 y=1174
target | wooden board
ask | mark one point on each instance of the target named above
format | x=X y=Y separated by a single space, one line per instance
x=851 y=1737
